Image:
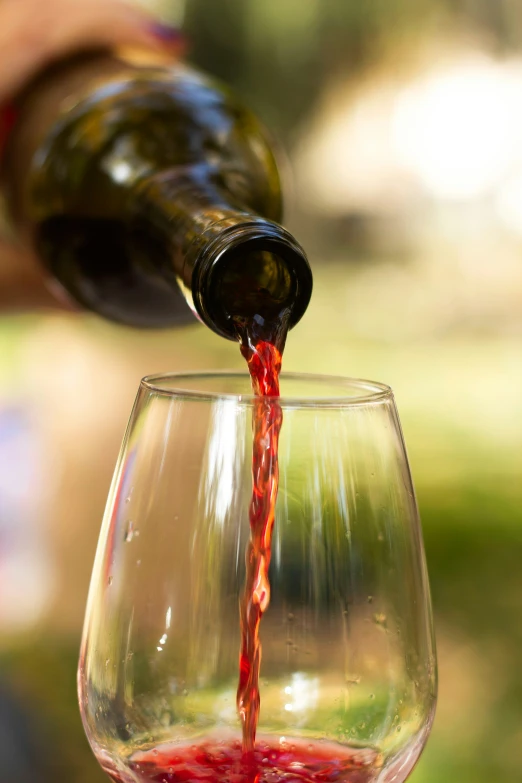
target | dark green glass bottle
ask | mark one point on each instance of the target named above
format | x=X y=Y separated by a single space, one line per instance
x=147 y=188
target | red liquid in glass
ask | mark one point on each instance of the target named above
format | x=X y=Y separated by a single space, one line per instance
x=225 y=762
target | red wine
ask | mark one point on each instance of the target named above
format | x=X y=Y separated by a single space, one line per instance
x=262 y=343
x=220 y=759
x=225 y=762
x=264 y=362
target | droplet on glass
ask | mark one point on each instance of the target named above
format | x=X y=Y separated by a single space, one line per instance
x=291 y=617
x=380 y=619
x=370 y=599
x=185 y=692
x=110 y=580
x=130 y=532
x=353 y=679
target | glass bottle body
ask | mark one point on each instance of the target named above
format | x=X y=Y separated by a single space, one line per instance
x=124 y=176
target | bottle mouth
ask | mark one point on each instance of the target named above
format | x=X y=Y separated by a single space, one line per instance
x=251 y=272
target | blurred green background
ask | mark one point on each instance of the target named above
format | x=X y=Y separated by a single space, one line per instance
x=402 y=125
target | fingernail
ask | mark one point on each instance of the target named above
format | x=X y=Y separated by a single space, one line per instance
x=166 y=33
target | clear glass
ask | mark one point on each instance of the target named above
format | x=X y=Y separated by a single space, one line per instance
x=348 y=647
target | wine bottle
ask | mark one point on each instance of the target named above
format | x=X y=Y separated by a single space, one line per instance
x=145 y=189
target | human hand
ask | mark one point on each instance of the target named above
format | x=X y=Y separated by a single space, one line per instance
x=35 y=32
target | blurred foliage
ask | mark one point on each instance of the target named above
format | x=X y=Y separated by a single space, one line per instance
x=294 y=48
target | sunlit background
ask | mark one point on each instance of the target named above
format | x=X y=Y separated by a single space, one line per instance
x=402 y=124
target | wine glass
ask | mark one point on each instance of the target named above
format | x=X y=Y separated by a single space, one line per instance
x=348 y=671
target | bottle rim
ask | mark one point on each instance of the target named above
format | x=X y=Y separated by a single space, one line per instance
x=258 y=234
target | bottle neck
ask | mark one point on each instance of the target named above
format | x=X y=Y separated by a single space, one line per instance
x=232 y=265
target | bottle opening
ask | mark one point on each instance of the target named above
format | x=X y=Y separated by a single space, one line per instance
x=260 y=278
x=252 y=281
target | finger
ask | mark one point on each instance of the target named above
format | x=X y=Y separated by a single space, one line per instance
x=78 y=23
x=34 y=32
x=23 y=284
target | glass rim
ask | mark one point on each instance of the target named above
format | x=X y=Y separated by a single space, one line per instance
x=371 y=391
